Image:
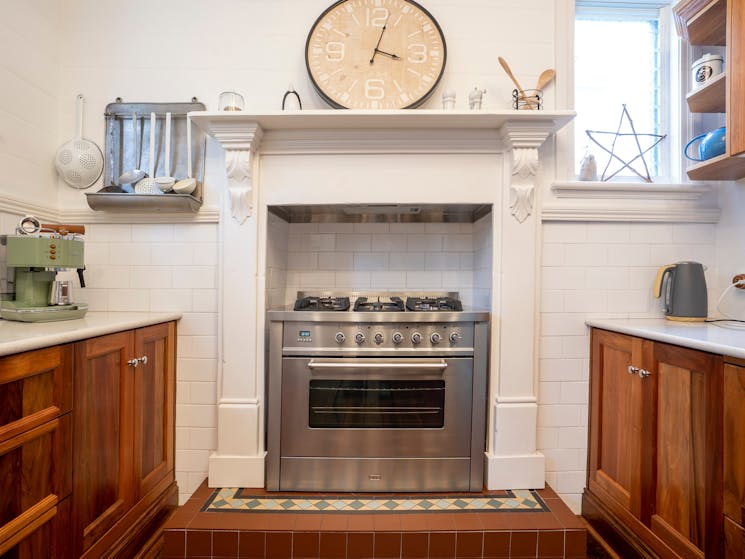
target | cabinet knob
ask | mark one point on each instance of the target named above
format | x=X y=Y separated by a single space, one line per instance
x=644 y=373
x=633 y=370
x=137 y=360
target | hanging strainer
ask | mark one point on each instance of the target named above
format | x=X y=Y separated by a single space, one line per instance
x=79 y=161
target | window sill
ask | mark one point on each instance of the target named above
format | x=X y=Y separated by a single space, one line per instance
x=631 y=201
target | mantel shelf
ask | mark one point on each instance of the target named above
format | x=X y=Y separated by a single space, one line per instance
x=381 y=120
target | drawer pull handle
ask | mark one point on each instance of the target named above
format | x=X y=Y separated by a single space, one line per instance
x=137 y=360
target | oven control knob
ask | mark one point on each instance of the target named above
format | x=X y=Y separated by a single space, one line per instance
x=435 y=338
x=359 y=337
x=416 y=338
x=454 y=337
x=378 y=338
x=340 y=337
x=397 y=338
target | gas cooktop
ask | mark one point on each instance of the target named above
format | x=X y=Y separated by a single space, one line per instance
x=380 y=303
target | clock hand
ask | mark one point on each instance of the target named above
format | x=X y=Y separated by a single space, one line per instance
x=393 y=56
x=375 y=50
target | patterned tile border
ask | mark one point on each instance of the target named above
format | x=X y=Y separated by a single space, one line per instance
x=229 y=499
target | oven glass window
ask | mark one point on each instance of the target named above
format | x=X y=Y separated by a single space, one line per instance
x=387 y=404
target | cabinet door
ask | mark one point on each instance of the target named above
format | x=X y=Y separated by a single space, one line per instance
x=103 y=439
x=734 y=442
x=615 y=453
x=154 y=405
x=735 y=77
x=688 y=425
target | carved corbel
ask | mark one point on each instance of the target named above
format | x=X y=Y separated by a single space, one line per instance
x=240 y=186
x=523 y=140
x=241 y=143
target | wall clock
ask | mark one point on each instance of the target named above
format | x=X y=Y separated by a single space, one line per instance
x=375 y=54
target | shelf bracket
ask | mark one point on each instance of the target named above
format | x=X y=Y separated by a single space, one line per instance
x=523 y=141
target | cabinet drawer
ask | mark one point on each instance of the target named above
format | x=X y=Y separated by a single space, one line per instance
x=35 y=387
x=734 y=539
x=35 y=475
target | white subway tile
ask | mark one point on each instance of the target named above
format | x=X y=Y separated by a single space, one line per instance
x=406 y=228
x=205 y=254
x=198 y=347
x=202 y=439
x=549 y=393
x=585 y=255
x=198 y=370
x=176 y=254
x=372 y=228
x=191 y=460
x=183 y=392
x=572 y=437
x=563 y=324
x=550 y=347
x=315 y=280
x=562 y=459
x=575 y=347
x=370 y=261
x=565 y=232
x=153 y=233
x=303 y=260
x=109 y=232
x=574 y=392
x=335 y=261
x=129 y=300
x=423 y=280
x=152 y=277
x=629 y=301
x=132 y=255
x=561 y=369
x=466 y=260
x=424 y=243
x=202 y=393
x=608 y=233
x=552 y=254
x=354 y=280
x=303 y=228
x=354 y=243
x=97 y=254
x=406 y=261
x=336 y=228
x=457 y=280
x=694 y=234
x=204 y=300
x=193 y=415
x=457 y=243
x=388 y=243
x=563 y=278
x=651 y=233
x=108 y=277
x=441 y=261
x=194 y=324
x=199 y=232
x=165 y=300
x=552 y=301
x=193 y=277
x=388 y=280
x=572 y=482
x=547 y=437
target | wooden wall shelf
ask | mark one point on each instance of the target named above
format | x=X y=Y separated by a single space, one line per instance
x=709 y=98
x=720 y=168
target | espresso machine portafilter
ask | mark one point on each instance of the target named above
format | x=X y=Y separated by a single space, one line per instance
x=34 y=256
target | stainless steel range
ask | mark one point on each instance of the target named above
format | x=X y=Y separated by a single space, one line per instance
x=376 y=393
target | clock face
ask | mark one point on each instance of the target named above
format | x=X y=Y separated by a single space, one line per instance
x=375 y=54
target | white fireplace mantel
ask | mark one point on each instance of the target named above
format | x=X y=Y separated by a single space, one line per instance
x=501 y=148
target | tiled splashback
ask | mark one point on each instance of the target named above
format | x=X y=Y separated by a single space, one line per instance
x=404 y=257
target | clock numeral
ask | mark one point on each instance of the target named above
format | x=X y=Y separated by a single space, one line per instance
x=374 y=89
x=376 y=17
x=417 y=53
x=335 y=51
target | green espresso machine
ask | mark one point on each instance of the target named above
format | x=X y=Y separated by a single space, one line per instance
x=33 y=261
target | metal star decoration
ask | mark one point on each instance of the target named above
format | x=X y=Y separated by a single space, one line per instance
x=618 y=135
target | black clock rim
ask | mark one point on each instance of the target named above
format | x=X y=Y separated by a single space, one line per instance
x=415 y=104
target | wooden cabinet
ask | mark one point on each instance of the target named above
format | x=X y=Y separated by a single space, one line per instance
x=35 y=460
x=734 y=457
x=87 y=445
x=718 y=23
x=124 y=396
x=654 y=481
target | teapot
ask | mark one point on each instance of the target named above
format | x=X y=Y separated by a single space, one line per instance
x=712 y=144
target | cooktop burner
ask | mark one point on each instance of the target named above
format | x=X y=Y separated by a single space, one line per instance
x=379 y=304
x=322 y=304
x=433 y=304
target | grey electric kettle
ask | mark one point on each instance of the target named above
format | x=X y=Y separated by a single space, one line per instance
x=683 y=286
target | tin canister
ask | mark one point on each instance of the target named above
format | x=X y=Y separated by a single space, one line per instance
x=705 y=68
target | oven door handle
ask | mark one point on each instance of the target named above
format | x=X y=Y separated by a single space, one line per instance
x=438 y=366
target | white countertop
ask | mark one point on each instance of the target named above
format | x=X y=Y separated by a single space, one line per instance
x=16 y=337
x=714 y=337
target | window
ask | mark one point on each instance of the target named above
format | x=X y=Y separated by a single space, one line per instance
x=621 y=58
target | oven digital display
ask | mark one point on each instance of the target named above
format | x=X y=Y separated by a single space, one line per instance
x=304 y=333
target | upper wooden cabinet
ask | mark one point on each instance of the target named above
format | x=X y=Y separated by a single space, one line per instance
x=716 y=23
x=654 y=459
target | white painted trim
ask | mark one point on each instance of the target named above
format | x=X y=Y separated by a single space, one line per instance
x=629 y=191
x=47 y=213
x=526 y=471
x=638 y=214
x=236 y=471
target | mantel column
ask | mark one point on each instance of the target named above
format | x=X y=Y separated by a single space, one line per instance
x=239 y=458
x=512 y=461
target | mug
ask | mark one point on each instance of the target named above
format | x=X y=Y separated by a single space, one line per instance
x=712 y=144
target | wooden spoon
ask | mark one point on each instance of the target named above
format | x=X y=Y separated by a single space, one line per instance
x=506 y=68
x=545 y=78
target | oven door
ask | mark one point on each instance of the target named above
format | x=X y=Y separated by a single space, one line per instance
x=376 y=407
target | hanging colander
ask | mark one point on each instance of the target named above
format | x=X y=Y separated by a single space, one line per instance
x=79 y=161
